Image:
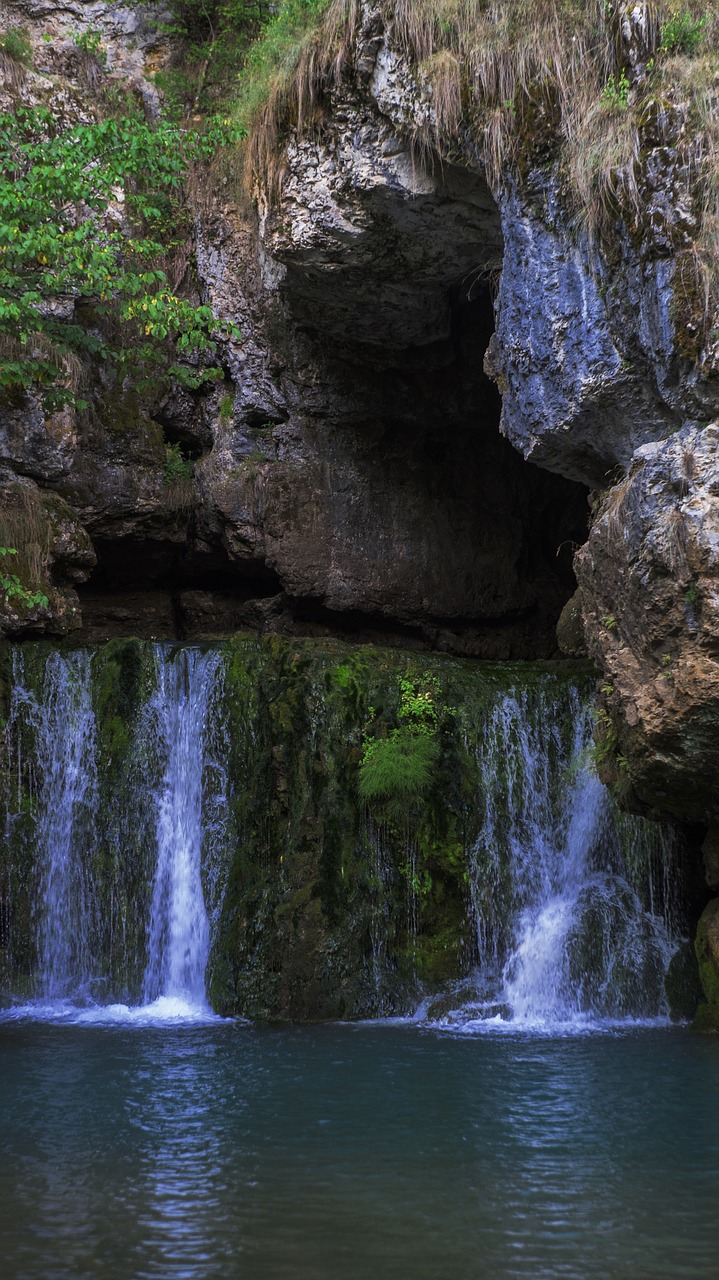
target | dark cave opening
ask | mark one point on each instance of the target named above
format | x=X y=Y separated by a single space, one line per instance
x=386 y=505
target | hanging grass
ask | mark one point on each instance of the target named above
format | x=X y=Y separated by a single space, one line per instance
x=400 y=766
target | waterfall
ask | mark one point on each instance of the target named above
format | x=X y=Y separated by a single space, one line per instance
x=160 y=784
x=129 y=875
x=61 y=724
x=573 y=901
x=179 y=932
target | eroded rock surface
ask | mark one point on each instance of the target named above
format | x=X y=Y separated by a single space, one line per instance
x=648 y=588
x=349 y=473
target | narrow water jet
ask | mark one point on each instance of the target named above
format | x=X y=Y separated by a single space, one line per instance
x=61 y=721
x=179 y=933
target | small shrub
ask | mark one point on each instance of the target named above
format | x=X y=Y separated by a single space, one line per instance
x=400 y=767
x=177 y=468
x=615 y=93
x=682 y=34
x=227 y=407
x=12 y=589
x=90 y=42
x=16 y=44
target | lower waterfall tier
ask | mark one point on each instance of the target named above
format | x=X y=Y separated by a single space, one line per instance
x=310 y=831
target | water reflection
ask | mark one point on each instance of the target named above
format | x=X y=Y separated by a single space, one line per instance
x=311 y=1153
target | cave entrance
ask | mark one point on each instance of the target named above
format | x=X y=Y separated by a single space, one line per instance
x=385 y=504
x=435 y=520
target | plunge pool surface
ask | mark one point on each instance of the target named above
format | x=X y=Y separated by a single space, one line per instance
x=371 y=1152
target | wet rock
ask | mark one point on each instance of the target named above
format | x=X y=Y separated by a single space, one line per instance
x=647 y=580
x=570 y=629
x=682 y=984
x=707 y=952
x=710 y=852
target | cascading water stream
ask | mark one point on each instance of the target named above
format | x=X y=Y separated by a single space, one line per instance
x=573 y=901
x=62 y=723
x=168 y=764
x=179 y=933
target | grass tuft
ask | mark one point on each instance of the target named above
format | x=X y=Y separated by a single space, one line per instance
x=399 y=766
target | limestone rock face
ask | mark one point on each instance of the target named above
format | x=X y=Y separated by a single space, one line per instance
x=55 y=555
x=398 y=318
x=591 y=373
x=707 y=951
x=648 y=589
x=349 y=472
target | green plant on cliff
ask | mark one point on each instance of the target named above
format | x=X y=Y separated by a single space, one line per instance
x=272 y=58
x=16 y=45
x=210 y=40
x=682 y=33
x=85 y=217
x=400 y=766
x=615 y=93
x=177 y=467
x=13 y=591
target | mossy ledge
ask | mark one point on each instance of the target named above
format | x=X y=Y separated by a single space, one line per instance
x=328 y=897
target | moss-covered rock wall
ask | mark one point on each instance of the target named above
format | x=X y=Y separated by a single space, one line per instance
x=362 y=810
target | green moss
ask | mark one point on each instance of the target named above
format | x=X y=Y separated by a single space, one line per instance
x=706 y=1019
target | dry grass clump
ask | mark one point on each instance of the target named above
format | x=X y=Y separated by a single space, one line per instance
x=478 y=58
x=507 y=53
x=301 y=57
x=25 y=527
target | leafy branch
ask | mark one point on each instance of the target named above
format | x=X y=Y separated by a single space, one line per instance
x=85 y=215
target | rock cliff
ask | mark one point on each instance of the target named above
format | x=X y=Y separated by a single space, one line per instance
x=439 y=357
x=349 y=473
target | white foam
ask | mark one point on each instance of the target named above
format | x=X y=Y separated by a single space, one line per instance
x=547 y=1028
x=166 y=1011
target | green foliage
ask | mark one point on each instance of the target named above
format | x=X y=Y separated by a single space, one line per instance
x=90 y=41
x=13 y=591
x=211 y=38
x=418 y=707
x=692 y=595
x=399 y=766
x=60 y=243
x=227 y=408
x=177 y=468
x=402 y=764
x=615 y=93
x=605 y=754
x=199 y=21
x=275 y=54
x=682 y=34
x=16 y=44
